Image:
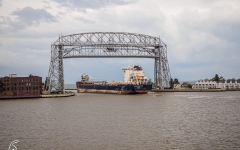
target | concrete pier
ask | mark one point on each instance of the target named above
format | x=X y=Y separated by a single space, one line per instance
x=57 y=95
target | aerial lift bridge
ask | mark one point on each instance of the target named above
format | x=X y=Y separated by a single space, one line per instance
x=107 y=45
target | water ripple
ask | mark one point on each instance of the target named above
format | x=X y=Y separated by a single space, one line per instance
x=99 y=121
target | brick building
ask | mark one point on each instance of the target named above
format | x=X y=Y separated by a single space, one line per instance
x=13 y=86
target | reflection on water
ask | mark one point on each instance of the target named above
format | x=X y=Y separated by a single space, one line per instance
x=100 y=121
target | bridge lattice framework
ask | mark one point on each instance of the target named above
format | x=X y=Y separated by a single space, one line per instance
x=107 y=45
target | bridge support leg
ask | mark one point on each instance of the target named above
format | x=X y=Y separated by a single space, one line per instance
x=162 y=74
x=157 y=68
x=165 y=71
x=60 y=69
x=157 y=73
x=55 y=80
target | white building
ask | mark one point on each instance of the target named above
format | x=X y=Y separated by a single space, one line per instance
x=223 y=84
x=231 y=84
x=204 y=85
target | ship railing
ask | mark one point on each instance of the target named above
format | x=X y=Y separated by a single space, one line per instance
x=97 y=81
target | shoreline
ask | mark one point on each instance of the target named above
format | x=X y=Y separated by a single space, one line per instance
x=188 y=90
x=180 y=90
x=38 y=96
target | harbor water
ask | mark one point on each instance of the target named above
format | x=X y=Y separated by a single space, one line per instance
x=176 y=120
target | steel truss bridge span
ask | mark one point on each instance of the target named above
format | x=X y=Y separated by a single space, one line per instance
x=107 y=45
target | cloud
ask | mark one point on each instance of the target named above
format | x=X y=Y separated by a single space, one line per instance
x=0 y=3
x=94 y=4
x=204 y=32
x=23 y=61
x=8 y=26
x=22 y=19
x=202 y=36
x=222 y=22
x=30 y=16
x=84 y=20
x=203 y=43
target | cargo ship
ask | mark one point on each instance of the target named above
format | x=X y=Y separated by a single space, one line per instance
x=135 y=82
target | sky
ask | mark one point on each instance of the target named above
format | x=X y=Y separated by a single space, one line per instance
x=202 y=36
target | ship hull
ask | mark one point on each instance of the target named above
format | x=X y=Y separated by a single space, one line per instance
x=114 y=89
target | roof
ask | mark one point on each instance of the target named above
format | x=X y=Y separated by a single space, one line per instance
x=185 y=83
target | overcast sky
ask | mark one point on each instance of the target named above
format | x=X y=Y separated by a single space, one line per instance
x=202 y=36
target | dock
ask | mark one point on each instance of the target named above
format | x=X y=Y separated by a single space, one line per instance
x=58 y=95
x=38 y=96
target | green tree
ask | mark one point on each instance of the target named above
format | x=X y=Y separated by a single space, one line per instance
x=171 y=83
x=150 y=81
x=189 y=86
x=216 y=78
x=176 y=81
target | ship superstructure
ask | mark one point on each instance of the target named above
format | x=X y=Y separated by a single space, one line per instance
x=134 y=75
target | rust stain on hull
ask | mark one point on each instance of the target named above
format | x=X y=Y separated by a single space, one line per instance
x=142 y=91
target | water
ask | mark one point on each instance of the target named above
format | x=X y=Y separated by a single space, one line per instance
x=107 y=122
x=70 y=86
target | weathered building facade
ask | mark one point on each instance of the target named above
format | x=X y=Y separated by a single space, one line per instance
x=13 y=86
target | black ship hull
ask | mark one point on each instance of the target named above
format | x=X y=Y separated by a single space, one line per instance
x=113 y=89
